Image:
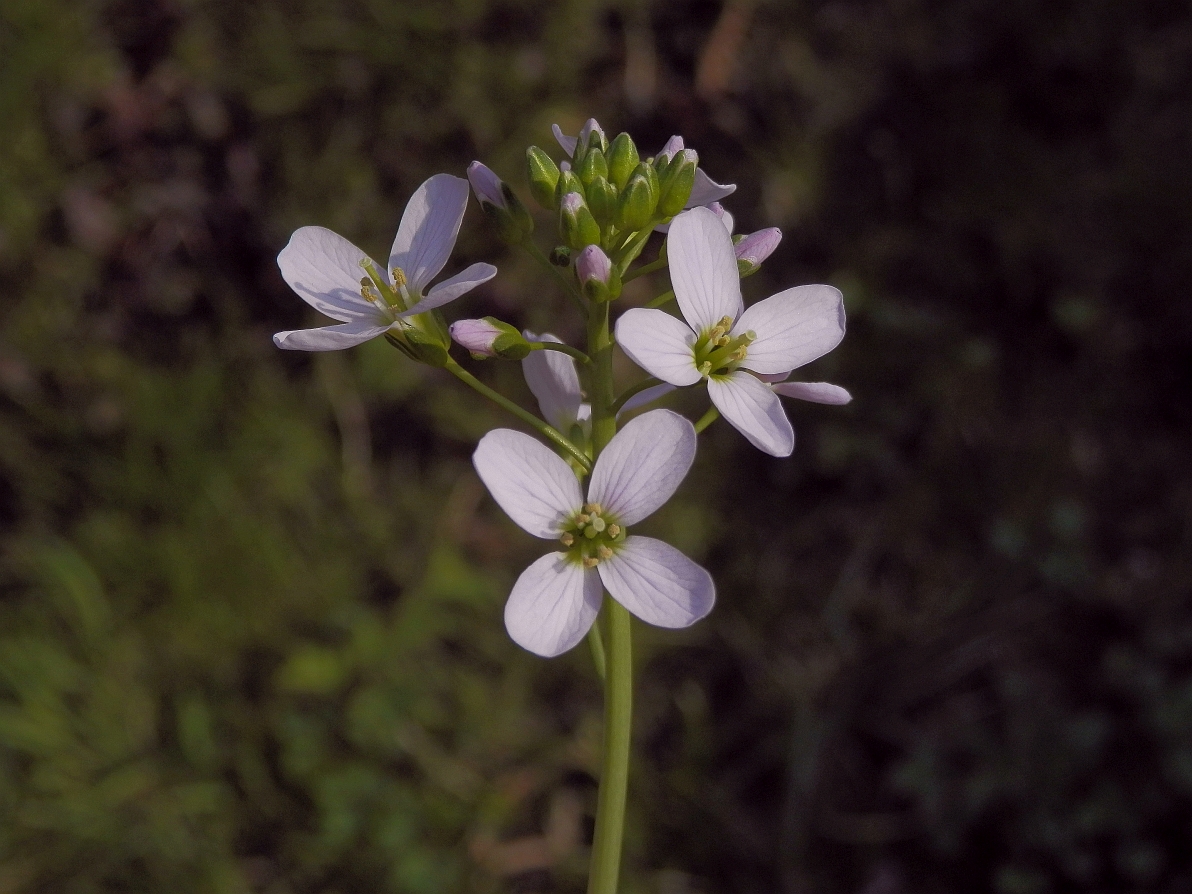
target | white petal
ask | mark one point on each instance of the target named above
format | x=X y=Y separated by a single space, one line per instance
x=642 y=465
x=659 y=344
x=648 y=396
x=450 y=289
x=330 y=338
x=552 y=606
x=658 y=583
x=755 y=411
x=673 y=145
x=793 y=328
x=705 y=190
x=428 y=229
x=324 y=269
x=703 y=269
x=816 y=392
x=529 y=481
x=553 y=379
x=568 y=143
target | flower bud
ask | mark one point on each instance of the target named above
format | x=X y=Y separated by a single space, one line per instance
x=490 y=337
x=568 y=183
x=591 y=135
x=622 y=159
x=543 y=175
x=420 y=346
x=597 y=276
x=751 y=250
x=602 y=200
x=560 y=256
x=673 y=146
x=676 y=182
x=576 y=224
x=500 y=204
x=594 y=165
x=635 y=207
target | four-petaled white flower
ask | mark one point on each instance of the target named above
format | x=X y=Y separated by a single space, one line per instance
x=337 y=279
x=704 y=191
x=556 y=599
x=723 y=342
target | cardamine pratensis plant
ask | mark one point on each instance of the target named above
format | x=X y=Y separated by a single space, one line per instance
x=597 y=474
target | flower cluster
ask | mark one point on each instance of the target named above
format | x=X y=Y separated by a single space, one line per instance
x=594 y=482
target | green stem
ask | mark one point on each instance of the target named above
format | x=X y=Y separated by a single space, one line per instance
x=561 y=348
x=664 y=298
x=626 y=254
x=644 y=269
x=707 y=419
x=629 y=392
x=614 y=774
x=569 y=286
x=596 y=644
x=524 y=415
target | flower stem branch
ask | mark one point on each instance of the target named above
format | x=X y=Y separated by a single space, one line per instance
x=596 y=644
x=664 y=298
x=526 y=416
x=632 y=390
x=707 y=419
x=644 y=269
x=561 y=348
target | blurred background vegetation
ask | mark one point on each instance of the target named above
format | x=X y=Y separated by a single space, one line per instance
x=250 y=602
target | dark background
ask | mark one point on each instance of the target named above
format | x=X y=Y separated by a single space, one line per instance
x=250 y=602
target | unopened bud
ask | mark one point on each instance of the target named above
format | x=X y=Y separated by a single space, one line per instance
x=635 y=207
x=676 y=183
x=543 y=175
x=490 y=337
x=569 y=183
x=597 y=276
x=673 y=146
x=622 y=159
x=594 y=165
x=424 y=347
x=500 y=204
x=576 y=224
x=602 y=200
x=560 y=256
x=751 y=250
x=591 y=135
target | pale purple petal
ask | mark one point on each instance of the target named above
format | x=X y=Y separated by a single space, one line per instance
x=528 y=480
x=331 y=338
x=324 y=269
x=485 y=184
x=673 y=145
x=643 y=465
x=568 y=143
x=793 y=328
x=716 y=208
x=553 y=379
x=703 y=269
x=475 y=335
x=659 y=344
x=428 y=229
x=816 y=392
x=593 y=264
x=755 y=411
x=756 y=247
x=657 y=583
x=552 y=606
x=590 y=126
x=450 y=289
x=705 y=190
x=642 y=398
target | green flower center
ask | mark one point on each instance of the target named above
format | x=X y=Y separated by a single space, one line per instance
x=717 y=353
x=591 y=536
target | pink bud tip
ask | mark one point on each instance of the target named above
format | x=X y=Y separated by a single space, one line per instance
x=756 y=247
x=485 y=184
x=475 y=335
x=593 y=264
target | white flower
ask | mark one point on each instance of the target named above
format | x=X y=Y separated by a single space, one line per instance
x=336 y=278
x=556 y=599
x=723 y=342
x=554 y=382
x=704 y=191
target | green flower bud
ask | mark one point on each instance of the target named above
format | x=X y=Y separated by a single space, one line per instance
x=602 y=200
x=576 y=224
x=500 y=205
x=593 y=166
x=490 y=337
x=569 y=182
x=635 y=207
x=676 y=182
x=543 y=175
x=560 y=256
x=622 y=159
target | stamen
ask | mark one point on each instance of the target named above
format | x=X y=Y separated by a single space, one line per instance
x=604 y=552
x=582 y=519
x=591 y=561
x=594 y=508
x=399 y=276
x=614 y=531
x=567 y=539
x=704 y=368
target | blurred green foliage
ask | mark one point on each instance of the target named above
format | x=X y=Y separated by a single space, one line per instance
x=250 y=603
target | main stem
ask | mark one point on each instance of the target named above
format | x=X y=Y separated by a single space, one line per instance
x=618 y=690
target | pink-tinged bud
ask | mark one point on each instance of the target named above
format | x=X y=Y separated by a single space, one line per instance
x=485 y=184
x=755 y=248
x=590 y=127
x=673 y=145
x=477 y=336
x=593 y=264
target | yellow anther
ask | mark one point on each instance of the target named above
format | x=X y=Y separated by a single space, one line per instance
x=704 y=368
x=604 y=552
x=591 y=561
x=594 y=508
x=722 y=341
x=725 y=323
x=741 y=353
x=399 y=277
x=567 y=539
x=614 y=531
x=582 y=519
